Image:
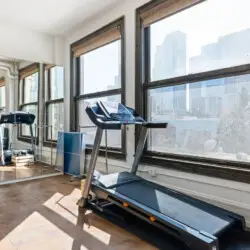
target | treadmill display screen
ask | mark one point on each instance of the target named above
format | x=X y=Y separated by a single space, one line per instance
x=119 y=112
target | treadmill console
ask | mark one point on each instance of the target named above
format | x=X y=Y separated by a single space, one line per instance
x=18 y=117
x=114 y=115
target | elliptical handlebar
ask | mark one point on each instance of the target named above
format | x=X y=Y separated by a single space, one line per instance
x=118 y=116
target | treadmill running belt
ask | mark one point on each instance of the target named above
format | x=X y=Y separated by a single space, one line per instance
x=144 y=193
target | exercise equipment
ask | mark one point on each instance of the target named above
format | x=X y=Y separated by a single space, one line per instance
x=198 y=224
x=15 y=118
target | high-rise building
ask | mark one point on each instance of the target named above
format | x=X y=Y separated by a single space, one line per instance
x=220 y=94
x=170 y=61
x=170 y=56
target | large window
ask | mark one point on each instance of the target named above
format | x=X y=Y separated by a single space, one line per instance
x=194 y=66
x=99 y=67
x=28 y=96
x=2 y=95
x=54 y=79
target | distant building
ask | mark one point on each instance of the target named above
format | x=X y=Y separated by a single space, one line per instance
x=170 y=61
x=216 y=97
x=170 y=57
x=117 y=85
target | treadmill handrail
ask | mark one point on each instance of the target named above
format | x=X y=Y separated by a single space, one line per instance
x=155 y=124
x=15 y=118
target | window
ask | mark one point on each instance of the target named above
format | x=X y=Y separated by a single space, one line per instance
x=54 y=78
x=197 y=78
x=2 y=95
x=99 y=75
x=28 y=97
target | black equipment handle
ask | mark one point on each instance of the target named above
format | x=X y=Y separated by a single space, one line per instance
x=156 y=125
x=18 y=117
x=100 y=116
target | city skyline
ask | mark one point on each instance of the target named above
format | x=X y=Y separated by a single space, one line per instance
x=171 y=61
x=210 y=111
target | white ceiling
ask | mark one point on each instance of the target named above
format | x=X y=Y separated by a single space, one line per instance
x=55 y=17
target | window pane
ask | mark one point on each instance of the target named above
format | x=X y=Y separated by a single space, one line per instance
x=208 y=118
x=2 y=97
x=25 y=128
x=55 y=119
x=57 y=76
x=114 y=136
x=101 y=69
x=31 y=88
x=202 y=38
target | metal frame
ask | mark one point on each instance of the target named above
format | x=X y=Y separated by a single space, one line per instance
x=97 y=143
x=17 y=125
x=201 y=165
x=139 y=149
x=83 y=201
x=103 y=149
x=49 y=101
x=75 y=83
x=193 y=238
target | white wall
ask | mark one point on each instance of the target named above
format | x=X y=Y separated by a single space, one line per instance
x=20 y=43
x=228 y=194
x=31 y=46
x=58 y=49
x=24 y=64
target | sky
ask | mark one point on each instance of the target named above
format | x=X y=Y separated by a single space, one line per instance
x=99 y=67
x=203 y=24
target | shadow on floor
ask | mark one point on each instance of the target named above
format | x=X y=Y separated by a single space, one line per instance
x=45 y=210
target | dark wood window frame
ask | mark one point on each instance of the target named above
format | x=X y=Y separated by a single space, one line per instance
x=49 y=101
x=2 y=85
x=75 y=88
x=21 y=104
x=225 y=169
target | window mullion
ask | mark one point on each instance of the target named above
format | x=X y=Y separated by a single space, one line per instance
x=49 y=84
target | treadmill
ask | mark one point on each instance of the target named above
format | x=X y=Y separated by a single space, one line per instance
x=16 y=117
x=197 y=224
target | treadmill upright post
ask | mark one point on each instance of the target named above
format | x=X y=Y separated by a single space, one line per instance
x=139 y=149
x=83 y=201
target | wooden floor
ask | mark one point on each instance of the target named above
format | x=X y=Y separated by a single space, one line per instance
x=42 y=214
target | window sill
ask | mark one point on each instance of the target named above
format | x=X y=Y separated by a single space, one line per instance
x=112 y=154
x=233 y=172
x=50 y=144
x=27 y=139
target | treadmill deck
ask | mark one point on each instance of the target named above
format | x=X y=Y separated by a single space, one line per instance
x=190 y=212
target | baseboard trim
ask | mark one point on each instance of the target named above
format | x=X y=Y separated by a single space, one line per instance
x=29 y=178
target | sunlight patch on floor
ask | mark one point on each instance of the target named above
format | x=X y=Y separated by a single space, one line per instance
x=66 y=207
x=35 y=232
x=7 y=169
